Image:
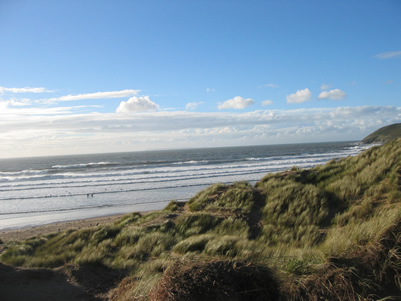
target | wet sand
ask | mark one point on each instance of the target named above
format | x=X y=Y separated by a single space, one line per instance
x=24 y=233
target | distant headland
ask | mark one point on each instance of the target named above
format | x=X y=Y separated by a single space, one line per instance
x=384 y=134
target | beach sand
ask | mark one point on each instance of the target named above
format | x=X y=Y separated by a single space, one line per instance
x=24 y=233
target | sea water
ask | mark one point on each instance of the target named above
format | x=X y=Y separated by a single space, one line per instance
x=40 y=190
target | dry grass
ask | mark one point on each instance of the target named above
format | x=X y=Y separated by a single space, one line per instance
x=216 y=280
x=331 y=232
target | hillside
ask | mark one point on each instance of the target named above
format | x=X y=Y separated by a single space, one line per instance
x=327 y=233
x=384 y=134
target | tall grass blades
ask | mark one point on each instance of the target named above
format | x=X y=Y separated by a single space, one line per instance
x=204 y=197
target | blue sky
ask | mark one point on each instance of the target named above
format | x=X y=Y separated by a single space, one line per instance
x=106 y=76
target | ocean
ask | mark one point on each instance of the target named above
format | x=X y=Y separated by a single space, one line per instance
x=41 y=190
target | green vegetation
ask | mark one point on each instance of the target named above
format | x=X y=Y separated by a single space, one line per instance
x=327 y=233
x=384 y=134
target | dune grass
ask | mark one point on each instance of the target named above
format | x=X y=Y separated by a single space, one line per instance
x=335 y=224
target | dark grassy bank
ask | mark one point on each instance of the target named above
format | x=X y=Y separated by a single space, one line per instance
x=327 y=233
x=384 y=134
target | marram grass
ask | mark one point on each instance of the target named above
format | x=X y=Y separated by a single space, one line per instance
x=323 y=232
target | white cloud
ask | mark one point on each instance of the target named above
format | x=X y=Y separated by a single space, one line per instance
x=96 y=95
x=335 y=94
x=267 y=102
x=237 y=102
x=137 y=104
x=22 y=111
x=388 y=55
x=15 y=102
x=210 y=90
x=300 y=96
x=24 y=90
x=88 y=133
x=193 y=105
x=325 y=87
x=271 y=85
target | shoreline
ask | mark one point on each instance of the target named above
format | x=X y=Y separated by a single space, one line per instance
x=22 y=226
x=21 y=222
x=25 y=233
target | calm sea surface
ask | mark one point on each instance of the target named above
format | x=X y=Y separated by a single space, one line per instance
x=35 y=191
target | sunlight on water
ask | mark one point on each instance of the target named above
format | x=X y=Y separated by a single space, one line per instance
x=41 y=190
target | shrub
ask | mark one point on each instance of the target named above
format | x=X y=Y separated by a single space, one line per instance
x=206 y=196
x=217 y=280
x=193 y=244
x=293 y=204
x=232 y=226
x=106 y=232
x=171 y=207
x=300 y=237
x=238 y=197
x=222 y=246
x=151 y=244
x=128 y=219
x=361 y=211
x=128 y=237
x=51 y=260
x=347 y=239
x=188 y=225
x=15 y=256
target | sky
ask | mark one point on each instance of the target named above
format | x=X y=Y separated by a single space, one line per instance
x=79 y=77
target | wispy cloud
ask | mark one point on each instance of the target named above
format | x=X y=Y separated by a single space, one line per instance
x=96 y=95
x=237 y=103
x=137 y=104
x=24 y=90
x=267 y=102
x=193 y=105
x=272 y=85
x=210 y=89
x=17 y=102
x=335 y=94
x=325 y=87
x=8 y=109
x=388 y=55
x=300 y=96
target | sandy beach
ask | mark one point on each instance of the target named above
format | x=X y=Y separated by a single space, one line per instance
x=24 y=233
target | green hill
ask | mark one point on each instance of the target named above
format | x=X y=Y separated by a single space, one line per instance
x=327 y=233
x=384 y=134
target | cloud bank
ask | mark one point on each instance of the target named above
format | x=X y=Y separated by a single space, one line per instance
x=26 y=134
